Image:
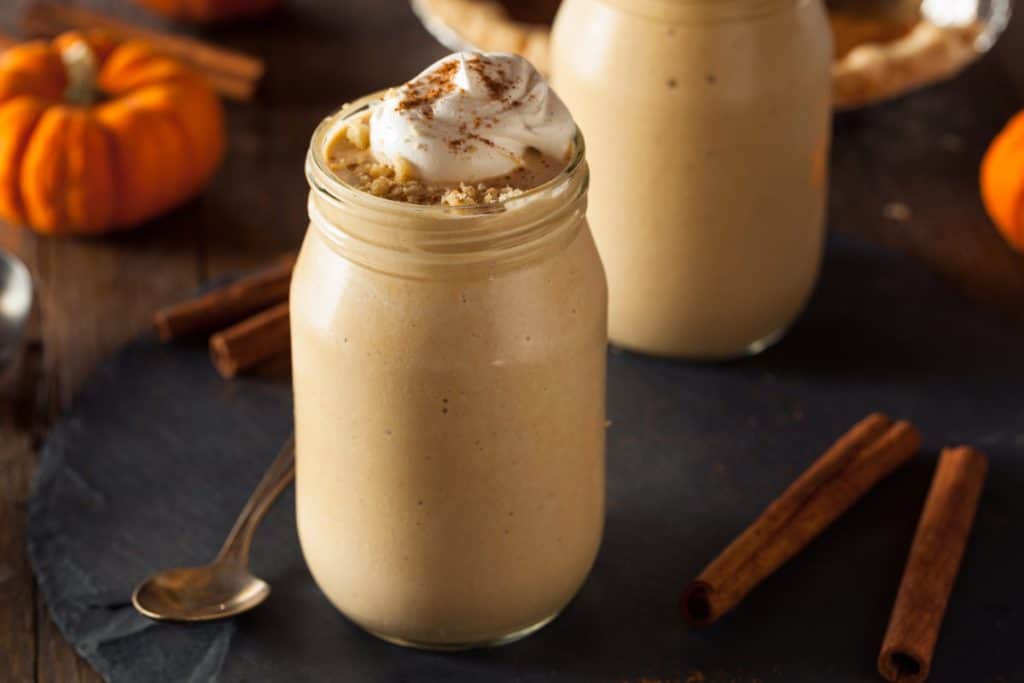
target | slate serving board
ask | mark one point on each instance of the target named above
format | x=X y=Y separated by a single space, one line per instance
x=158 y=454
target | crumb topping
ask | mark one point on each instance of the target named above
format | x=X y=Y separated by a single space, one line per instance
x=350 y=158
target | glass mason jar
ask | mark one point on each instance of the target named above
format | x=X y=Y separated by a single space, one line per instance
x=708 y=125
x=449 y=376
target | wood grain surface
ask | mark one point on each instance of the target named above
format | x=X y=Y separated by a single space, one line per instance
x=904 y=175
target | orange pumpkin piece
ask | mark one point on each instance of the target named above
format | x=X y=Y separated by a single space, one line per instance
x=97 y=135
x=209 y=11
x=1002 y=182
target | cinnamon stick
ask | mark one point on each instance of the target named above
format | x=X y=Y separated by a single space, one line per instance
x=227 y=305
x=933 y=564
x=232 y=74
x=251 y=341
x=237 y=89
x=862 y=457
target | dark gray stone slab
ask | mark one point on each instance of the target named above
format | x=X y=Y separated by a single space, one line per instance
x=157 y=455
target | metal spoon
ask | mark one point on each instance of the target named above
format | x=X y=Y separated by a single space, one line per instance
x=15 y=305
x=224 y=587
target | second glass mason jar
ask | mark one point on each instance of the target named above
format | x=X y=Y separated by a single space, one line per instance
x=449 y=376
x=708 y=123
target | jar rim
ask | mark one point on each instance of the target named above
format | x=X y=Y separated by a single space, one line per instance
x=322 y=179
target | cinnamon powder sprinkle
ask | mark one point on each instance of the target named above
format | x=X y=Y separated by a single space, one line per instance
x=496 y=87
x=423 y=93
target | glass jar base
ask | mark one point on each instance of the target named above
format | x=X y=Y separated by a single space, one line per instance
x=455 y=647
x=754 y=348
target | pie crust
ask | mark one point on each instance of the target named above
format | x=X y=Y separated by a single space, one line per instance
x=879 y=56
x=872 y=72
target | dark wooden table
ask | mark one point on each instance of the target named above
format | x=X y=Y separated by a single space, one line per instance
x=919 y=155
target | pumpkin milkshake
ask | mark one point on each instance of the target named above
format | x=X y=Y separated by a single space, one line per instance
x=448 y=315
x=709 y=125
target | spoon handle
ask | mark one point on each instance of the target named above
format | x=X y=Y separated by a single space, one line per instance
x=278 y=476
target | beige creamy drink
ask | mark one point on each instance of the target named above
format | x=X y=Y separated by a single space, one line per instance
x=708 y=126
x=449 y=365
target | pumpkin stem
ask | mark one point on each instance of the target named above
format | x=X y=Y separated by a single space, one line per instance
x=82 y=71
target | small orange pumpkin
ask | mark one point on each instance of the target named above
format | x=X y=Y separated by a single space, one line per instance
x=73 y=163
x=209 y=11
x=1002 y=182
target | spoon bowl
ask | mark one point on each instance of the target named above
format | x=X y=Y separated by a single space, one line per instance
x=199 y=593
x=15 y=305
x=224 y=587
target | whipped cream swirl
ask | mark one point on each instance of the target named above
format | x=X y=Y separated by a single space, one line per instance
x=471 y=117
